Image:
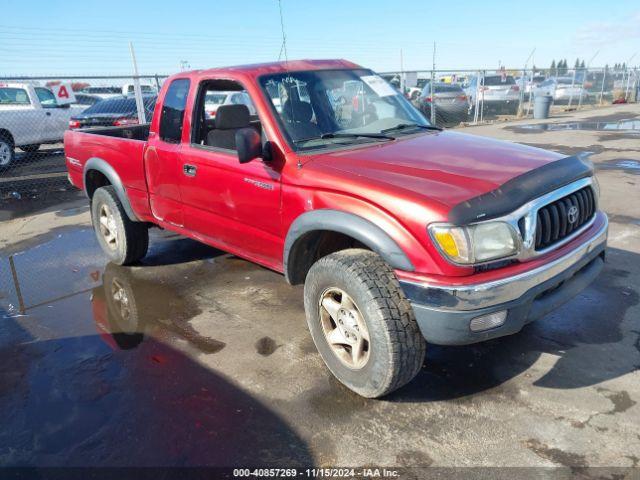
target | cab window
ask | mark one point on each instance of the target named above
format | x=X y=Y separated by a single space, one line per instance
x=172 y=115
x=13 y=96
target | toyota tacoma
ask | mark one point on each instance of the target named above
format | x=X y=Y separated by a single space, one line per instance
x=402 y=234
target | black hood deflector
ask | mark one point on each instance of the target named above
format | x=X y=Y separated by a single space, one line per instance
x=522 y=189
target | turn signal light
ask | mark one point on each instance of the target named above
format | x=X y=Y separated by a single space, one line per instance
x=447 y=243
x=74 y=124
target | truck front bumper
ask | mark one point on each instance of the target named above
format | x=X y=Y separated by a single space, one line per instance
x=445 y=313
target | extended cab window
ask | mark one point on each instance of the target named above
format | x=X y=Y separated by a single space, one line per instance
x=13 y=96
x=46 y=97
x=222 y=108
x=172 y=115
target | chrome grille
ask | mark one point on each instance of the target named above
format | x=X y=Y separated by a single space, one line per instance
x=561 y=218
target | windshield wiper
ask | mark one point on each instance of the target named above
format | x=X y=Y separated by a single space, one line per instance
x=326 y=136
x=403 y=126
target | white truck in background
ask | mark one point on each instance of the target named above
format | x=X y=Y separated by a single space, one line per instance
x=111 y=92
x=32 y=115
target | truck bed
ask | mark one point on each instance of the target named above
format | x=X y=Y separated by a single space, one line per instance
x=130 y=132
x=121 y=148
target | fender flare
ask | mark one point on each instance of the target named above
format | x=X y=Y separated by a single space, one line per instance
x=349 y=224
x=108 y=171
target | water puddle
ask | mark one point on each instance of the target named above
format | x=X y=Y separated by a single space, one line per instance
x=626 y=165
x=627 y=126
x=100 y=363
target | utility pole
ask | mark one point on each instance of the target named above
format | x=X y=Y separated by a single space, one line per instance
x=136 y=87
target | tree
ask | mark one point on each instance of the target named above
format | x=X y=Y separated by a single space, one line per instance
x=582 y=63
x=553 y=65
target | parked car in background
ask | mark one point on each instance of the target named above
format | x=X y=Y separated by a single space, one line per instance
x=84 y=99
x=117 y=111
x=497 y=92
x=114 y=92
x=450 y=102
x=527 y=83
x=562 y=89
x=29 y=117
x=129 y=89
x=215 y=100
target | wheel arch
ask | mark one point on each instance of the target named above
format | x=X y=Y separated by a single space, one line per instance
x=305 y=234
x=8 y=135
x=107 y=172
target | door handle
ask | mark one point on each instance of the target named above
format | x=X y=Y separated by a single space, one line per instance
x=189 y=170
x=48 y=114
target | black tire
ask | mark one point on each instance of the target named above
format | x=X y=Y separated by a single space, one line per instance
x=30 y=148
x=396 y=347
x=132 y=237
x=7 y=151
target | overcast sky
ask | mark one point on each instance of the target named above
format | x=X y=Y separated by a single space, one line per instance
x=51 y=37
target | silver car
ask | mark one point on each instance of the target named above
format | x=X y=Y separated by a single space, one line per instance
x=451 y=104
x=562 y=89
x=497 y=92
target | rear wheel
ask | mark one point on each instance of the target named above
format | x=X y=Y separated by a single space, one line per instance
x=123 y=241
x=361 y=322
x=7 y=151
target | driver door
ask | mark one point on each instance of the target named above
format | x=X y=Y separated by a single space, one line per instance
x=234 y=206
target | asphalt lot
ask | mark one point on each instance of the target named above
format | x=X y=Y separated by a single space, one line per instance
x=216 y=367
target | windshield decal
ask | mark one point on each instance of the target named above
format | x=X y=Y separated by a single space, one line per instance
x=379 y=85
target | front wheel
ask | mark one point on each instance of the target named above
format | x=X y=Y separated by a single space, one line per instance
x=123 y=241
x=361 y=322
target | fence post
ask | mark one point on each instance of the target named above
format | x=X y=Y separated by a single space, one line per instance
x=530 y=92
x=521 y=96
x=604 y=76
x=433 y=100
x=626 y=90
x=573 y=83
x=157 y=82
x=584 y=76
x=484 y=72
x=476 y=108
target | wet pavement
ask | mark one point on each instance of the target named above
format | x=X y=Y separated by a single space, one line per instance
x=628 y=125
x=196 y=357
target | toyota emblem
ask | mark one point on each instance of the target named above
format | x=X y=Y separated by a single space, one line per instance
x=572 y=214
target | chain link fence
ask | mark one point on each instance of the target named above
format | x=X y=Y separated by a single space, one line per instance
x=451 y=97
x=32 y=122
x=33 y=119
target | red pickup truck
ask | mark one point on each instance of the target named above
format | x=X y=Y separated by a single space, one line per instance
x=402 y=233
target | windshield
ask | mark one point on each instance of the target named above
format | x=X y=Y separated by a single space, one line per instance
x=328 y=107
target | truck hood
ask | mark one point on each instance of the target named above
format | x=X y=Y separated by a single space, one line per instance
x=444 y=167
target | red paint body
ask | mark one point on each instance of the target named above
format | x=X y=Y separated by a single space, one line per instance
x=401 y=185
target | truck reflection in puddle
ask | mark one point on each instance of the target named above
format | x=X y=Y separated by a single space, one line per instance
x=126 y=308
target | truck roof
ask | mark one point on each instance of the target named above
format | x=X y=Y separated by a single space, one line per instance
x=257 y=69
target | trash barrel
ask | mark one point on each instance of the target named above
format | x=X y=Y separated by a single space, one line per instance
x=541 y=106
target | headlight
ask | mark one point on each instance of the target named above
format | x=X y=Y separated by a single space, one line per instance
x=475 y=243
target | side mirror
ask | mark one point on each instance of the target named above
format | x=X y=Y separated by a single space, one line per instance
x=248 y=144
